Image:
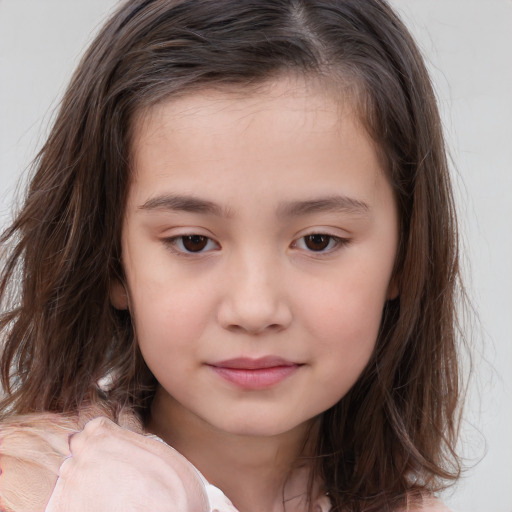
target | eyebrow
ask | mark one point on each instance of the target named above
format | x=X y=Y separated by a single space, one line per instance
x=185 y=204
x=335 y=204
x=191 y=204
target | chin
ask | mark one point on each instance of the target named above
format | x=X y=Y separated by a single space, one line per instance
x=257 y=426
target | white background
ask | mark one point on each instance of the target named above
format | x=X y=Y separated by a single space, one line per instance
x=468 y=45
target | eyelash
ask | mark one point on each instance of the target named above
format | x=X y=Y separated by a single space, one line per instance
x=334 y=241
x=174 y=243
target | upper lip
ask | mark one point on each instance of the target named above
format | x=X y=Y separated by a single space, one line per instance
x=248 y=363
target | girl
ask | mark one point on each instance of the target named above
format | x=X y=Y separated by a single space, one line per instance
x=235 y=271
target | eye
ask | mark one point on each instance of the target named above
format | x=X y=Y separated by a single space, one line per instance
x=192 y=244
x=319 y=242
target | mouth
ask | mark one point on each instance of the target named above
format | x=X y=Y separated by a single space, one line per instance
x=254 y=374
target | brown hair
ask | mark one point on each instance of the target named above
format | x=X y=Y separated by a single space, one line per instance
x=394 y=432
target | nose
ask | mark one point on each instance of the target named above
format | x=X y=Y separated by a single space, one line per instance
x=255 y=300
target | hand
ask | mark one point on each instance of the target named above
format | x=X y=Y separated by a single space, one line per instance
x=112 y=469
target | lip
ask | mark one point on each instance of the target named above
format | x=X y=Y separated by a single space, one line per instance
x=259 y=373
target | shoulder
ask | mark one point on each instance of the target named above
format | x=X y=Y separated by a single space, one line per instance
x=32 y=448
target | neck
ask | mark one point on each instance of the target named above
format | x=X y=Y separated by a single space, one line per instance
x=256 y=473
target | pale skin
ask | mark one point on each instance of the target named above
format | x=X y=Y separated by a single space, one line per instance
x=292 y=234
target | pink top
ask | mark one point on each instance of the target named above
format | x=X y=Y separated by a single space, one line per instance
x=33 y=447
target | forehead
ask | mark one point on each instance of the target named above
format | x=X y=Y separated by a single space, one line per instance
x=215 y=99
x=285 y=95
x=289 y=132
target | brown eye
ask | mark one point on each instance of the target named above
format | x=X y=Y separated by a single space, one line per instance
x=189 y=245
x=318 y=242
x=194 y=243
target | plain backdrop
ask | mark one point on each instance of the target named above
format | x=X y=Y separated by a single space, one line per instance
x=468 y=47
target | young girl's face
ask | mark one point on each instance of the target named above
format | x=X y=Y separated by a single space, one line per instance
x=258 y=246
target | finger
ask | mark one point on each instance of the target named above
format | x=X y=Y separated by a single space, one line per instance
x=95 y=428
x=98 y=425
x=66 y=468
x=76 y=443
x=103 y=427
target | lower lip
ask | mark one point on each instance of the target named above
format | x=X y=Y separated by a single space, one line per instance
x=260 y=378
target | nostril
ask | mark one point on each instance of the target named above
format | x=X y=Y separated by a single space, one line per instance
x=254 y=329
x=251 y=329
x=254 y=310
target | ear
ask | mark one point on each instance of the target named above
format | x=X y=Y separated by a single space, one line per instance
x=118 y=295
x=393 y=287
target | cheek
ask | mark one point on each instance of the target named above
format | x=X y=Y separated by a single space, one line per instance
x=347 y=333
x=351 y=301
x=343 y=317
x=345 y=336
x=168 y=316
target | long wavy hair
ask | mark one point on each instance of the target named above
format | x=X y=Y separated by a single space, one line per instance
x=394 y=432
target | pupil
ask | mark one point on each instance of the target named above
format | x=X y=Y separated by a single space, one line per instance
x=194 y=243
x=317 y=242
